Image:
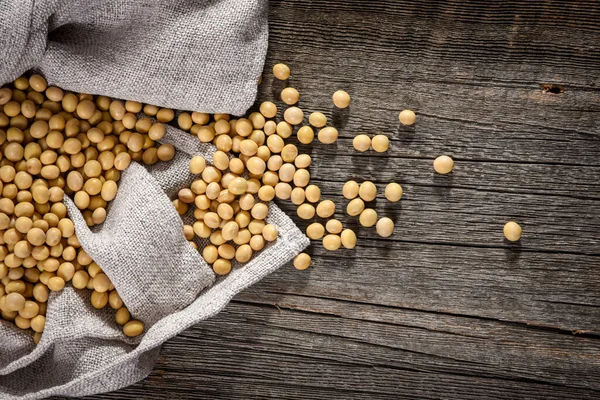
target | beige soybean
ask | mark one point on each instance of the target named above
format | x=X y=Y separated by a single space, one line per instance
x=270 y=128
x=284 y=130
x=184 y=120
x=243 y=219
x=332 y=242
x=294 y=116
x=266 y=193
x=122 y=316
x=236 y=166
x=80 y=279
x=210 y=253
x=246 y=202
x=165 y=152
x=326 y=209
x=197 y=165
x=14 y=302
x=306 y=211
x=255 y=165
x=206 y=134
x=512 y=231
x=114 y=300
x=306 y=135
x=361 y=143
x=222 y=266
x=302 y=261
x=367 y=191
x=270 y=232
x=283 y=191
x=297 y=196
x=334 y=226
x=289 y=153
x=226 y=251
x=286 y=172
x=290 y=96
x=257 y=242
x=29 y=310
x=165 y=115
x=268 y=109
x=212 y=220
x=350 y=190
x=368 y=217
x=38 y=323
x=248 y=147
x=56 y=284
x=259 y=211
x=230 y=230
x=221 y=160
x=109 y=190
x=101 y=283
x=211 y=174
x=312 y=193
x=348 y=238
x=243 y=237
x=243 y=254
x=301 y=177
x=133 y=328
x=281 y=71
x=385 y=227
x=238 y=186
x=257 y=120
x=393 y=192
x=328 y=135
x=380 y=143
x=200 y=118
x=407 y=117
x=212 y=190
x=243 y=127
x=85 y=109
x=443 y=165
x=274 y=163
x=157 y=131
x=341 y=99
x=253 y=186
x=5 y=96
x=99 y=300
x=186 y=195
x=355 y=207
x=317 y=119
x=302 y=161
x=275 y=143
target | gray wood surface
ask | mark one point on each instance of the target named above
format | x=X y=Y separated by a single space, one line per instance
x=445 y=308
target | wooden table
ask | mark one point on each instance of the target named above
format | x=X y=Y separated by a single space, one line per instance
x=445 y=308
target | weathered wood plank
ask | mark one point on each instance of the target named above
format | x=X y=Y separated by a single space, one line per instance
x=558 y=291
x=444 y=308
x=275 y=357
x=447 y=214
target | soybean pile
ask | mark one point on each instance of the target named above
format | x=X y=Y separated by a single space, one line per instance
x=55 y=143
x=255 y=163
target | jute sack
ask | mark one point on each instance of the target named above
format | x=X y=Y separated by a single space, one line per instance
x=192 y=55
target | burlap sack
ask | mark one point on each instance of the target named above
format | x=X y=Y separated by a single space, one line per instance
x=203 y=56
x=200 y=55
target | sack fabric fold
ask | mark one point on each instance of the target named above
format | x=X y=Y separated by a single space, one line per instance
x=198 y=55
x=192 y=55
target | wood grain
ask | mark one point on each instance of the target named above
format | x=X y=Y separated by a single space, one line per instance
x=445 y=308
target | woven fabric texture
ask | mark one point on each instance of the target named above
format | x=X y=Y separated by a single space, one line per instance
x=199 y=55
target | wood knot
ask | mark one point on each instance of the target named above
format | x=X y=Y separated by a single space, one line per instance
x=552 y=88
